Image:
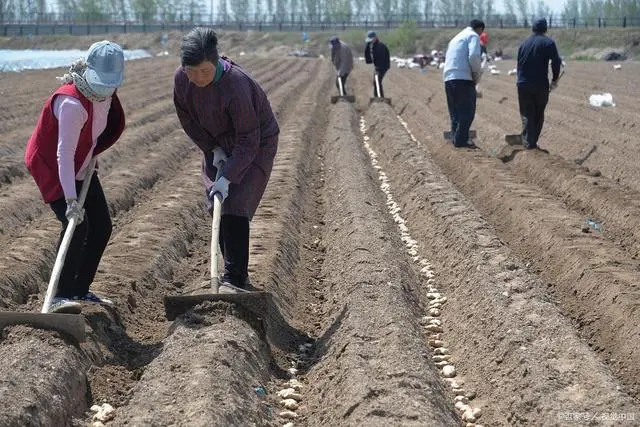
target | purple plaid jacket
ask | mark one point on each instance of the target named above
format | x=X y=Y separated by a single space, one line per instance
x=235 y=114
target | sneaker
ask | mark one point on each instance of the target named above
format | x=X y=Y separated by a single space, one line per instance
x=92 y=298
x=65 y=306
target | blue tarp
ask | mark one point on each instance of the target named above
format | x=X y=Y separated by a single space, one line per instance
x=18 y=60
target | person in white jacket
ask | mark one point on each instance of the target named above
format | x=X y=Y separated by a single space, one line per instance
x=462 y=72
x=342 y=59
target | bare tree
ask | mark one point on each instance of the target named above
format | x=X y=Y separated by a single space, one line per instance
x=240 y=9
x=144 y=10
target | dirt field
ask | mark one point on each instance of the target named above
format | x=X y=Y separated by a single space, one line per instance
x=412 y=283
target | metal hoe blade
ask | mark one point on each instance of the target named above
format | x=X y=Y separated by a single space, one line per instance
x=70 y=324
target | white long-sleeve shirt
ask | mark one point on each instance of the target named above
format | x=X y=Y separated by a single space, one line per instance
x=463 y=56
x=72 y=117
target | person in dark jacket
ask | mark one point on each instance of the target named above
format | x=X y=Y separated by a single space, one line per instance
x=80 y=120
x=377 y=53
x=227 y=114
x=534 y=56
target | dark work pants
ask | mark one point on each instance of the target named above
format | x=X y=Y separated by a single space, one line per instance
x=380 y=77
x=234 y=245
x=344 y=83
x=461 y=100
x=89 y=240
x=533 y=102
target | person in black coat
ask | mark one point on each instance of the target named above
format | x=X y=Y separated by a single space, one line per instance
x=534 y=56
x=377 y=53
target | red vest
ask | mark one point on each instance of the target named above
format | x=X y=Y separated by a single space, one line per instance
x=41 y=156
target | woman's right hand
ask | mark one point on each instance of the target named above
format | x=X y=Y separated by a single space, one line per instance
x=74 y=210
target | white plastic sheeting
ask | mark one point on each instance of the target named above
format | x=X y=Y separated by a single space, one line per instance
x=32 y=59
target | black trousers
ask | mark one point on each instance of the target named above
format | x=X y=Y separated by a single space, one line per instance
x=344 y=82
x=380 y=77
x=234 y=246
x=533 y=102
x=89 y=240
x=461 y=100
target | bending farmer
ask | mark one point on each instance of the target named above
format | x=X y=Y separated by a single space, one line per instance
x=227 y=115
x=462 y=71
x=80 y=120
x=342 y=59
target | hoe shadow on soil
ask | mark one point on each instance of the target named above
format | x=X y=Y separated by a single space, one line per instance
x=506 y=158
x=110 y=332
x=266 y=320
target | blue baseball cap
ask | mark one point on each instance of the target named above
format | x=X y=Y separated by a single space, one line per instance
x=105 y=65
x=370 y=36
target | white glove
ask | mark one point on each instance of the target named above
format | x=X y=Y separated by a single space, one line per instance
x=220 y=186
x=476 y=77
x=554 y=85
x=219 y=157
x=74 y=210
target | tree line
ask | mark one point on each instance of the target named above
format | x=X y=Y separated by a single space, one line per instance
x=305 y=10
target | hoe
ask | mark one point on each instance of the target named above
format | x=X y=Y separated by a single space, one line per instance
x=379 y=98
x=71 y=324
x=254 y=301
x=348 y=98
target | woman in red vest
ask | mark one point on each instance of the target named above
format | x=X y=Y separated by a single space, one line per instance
x=80 y=120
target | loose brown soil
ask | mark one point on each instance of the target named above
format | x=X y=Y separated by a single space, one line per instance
x=352 y=237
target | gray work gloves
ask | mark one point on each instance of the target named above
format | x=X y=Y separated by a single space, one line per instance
x=219 y=157
x=220 y=186
x=74 y=210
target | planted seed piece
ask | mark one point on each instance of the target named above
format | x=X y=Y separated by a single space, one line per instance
x=449 y=371
x=441 y=364
x=434 y=312
x=285 y=392
x=288 y=415
x=290 y=404
x=436 y=322
x=440 y=358
x=463 y=399
x=293 y=371
x=468 y=416
x=288 y=425
x=437 y=343
x=477 y=412
x=441 y=350
x=461 y=406
x=434 y=328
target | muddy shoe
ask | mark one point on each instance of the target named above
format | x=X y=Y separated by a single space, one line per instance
x=228 y=288
x=65 y=306
x=92 y=298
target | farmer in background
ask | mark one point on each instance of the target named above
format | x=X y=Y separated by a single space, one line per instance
x=462 y=72
x=377 y=53
x=342 y=59
x=484 y=43
x=226 y=113
x=534 y=56
x=80 y=120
